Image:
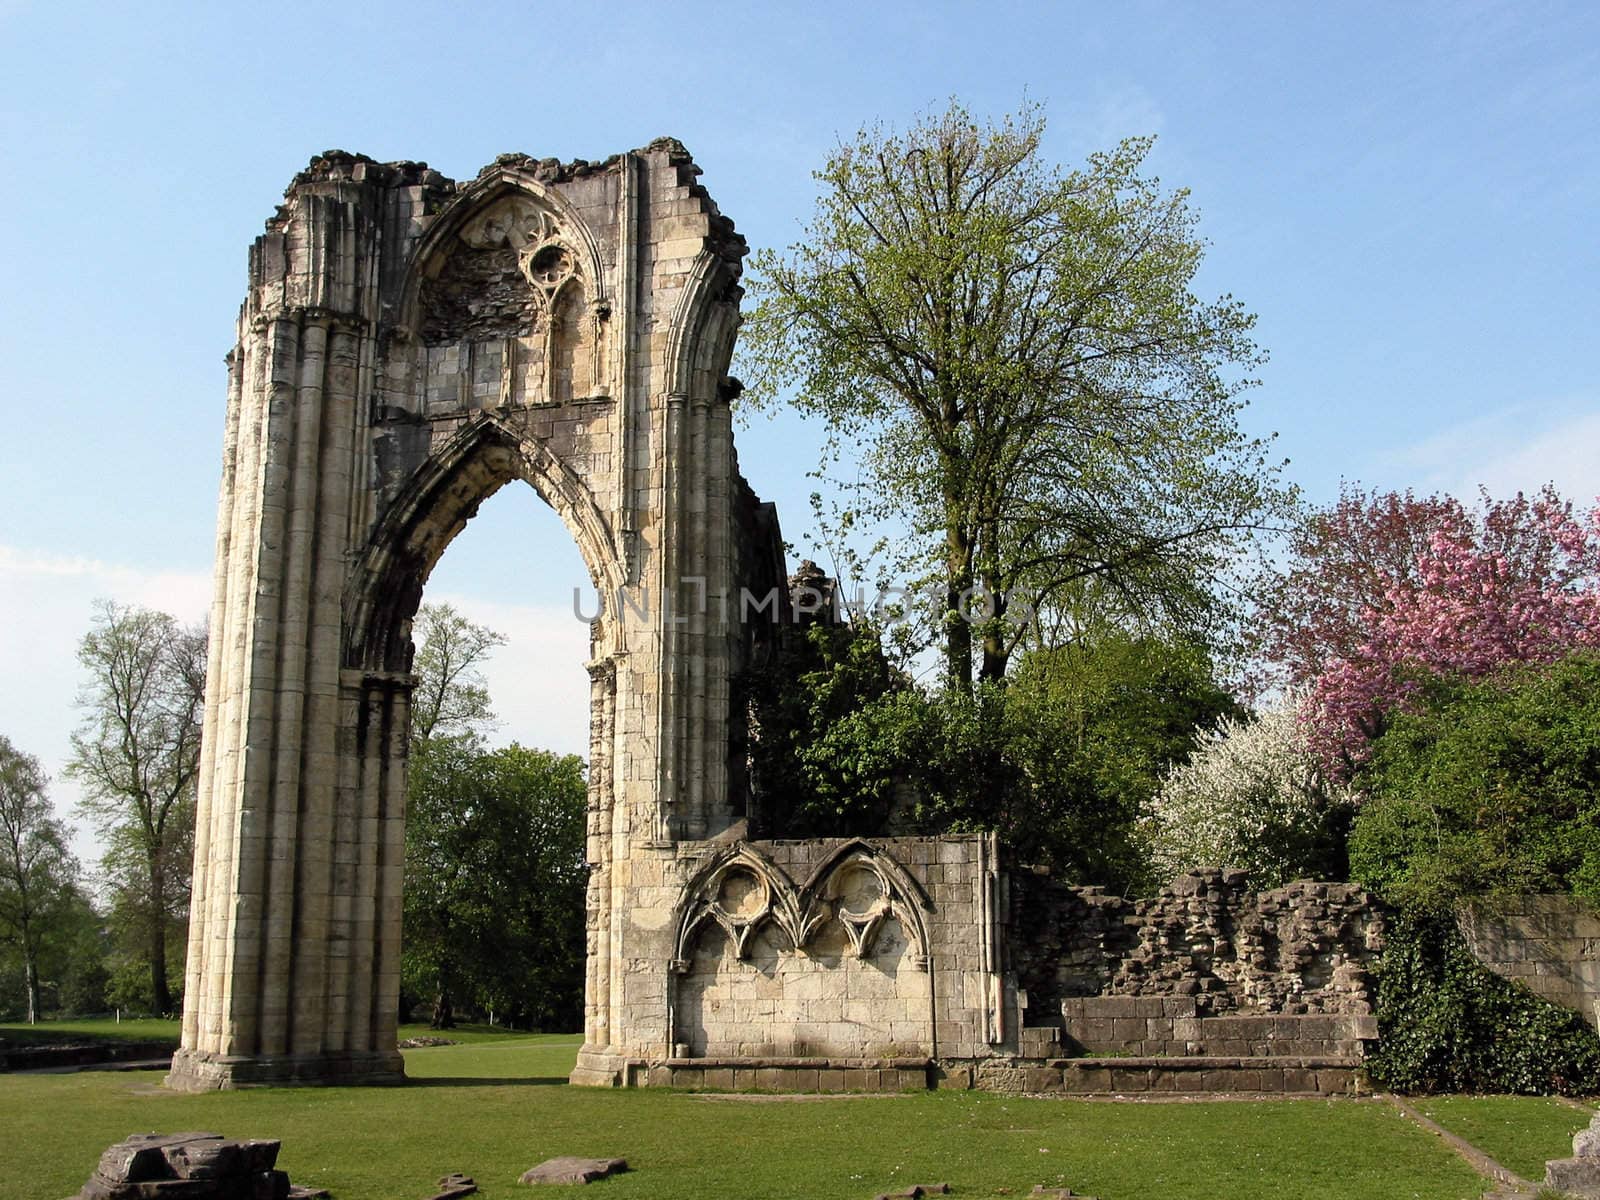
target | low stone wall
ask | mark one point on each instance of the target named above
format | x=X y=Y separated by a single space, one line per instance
x=1304 y=949
x=824 y=955
x=1549 y=943
x=1172 y=1026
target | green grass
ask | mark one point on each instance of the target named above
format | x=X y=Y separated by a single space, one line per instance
x=1518 y=1132
x=142 y=1029
x=492 y=1109
x=465 y=1034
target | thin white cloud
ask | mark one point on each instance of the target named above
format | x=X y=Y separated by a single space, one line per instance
x=1519 y=448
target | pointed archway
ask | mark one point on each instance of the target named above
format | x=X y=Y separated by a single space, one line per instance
x=407 y=347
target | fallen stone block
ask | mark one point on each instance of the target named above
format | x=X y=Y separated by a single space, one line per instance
x=570 y=1169
x=191 y=1166
x=1058 y=1193
x=454 y=1186
x=916 y=1191
x=1574 y=1177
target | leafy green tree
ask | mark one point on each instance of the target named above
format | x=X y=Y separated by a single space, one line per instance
x=451 y=697
x=1032 y=383
x=1089 y=729
x=1492 y=785
x=814 y=773
x=37 y=871
x=136 y=754
x=1062 y=762
x=495 y=877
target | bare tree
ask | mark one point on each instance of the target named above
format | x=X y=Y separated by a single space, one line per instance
x=36 y=869
x=137 y=753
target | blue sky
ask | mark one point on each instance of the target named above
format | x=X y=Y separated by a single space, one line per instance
x=1406 y=195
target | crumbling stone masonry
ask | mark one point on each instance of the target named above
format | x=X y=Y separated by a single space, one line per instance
x=409 y=345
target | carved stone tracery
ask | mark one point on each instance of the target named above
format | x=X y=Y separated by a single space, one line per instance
x=859 y=886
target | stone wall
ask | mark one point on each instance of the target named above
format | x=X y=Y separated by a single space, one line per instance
x=839 y=950
x=1549 y=943
x=1206 y=967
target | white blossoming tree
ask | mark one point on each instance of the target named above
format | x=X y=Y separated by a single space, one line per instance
x=1251 y=795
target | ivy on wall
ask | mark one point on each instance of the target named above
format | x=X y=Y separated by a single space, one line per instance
x=1447 y=1023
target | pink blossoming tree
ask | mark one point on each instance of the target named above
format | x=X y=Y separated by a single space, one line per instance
x=1387 y=591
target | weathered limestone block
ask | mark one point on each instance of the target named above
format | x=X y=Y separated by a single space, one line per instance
x=569 y=1169
x=195 y=1166
x=1580 y=1174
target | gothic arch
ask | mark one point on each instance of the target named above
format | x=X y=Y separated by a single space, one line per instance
x=396 y=364
x=386 y=583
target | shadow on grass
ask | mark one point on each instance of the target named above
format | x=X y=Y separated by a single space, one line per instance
x=486 y=1081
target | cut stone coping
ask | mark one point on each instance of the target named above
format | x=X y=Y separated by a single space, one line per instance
x=1470 y=1154
x=1207 y=1062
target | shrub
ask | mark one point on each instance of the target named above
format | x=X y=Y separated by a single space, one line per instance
x=1447 y=1023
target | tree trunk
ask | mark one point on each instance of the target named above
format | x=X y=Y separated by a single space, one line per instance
x=160 y=995
x=958 y=579
x=30 y=974
x=444 y=1015
x=996 y=655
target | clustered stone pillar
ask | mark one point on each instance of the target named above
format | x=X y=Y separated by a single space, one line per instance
x=409 y=345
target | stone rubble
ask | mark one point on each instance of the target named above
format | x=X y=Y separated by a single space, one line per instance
x=1580 y=1174
x=195 y=1166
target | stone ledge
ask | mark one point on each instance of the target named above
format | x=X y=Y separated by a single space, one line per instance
x=1214 y=1062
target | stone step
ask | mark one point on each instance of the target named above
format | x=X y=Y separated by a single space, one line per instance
x=1317 y=1075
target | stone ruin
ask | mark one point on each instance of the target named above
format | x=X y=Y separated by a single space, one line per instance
x=409 y=344
x=1579 y=1175
x=201 y=1166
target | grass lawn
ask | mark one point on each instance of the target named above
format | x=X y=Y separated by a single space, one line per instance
x=1518 y=1132
x=494 y=1108
x=141 y=1029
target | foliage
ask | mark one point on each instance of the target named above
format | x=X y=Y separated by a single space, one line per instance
x=823 y=752
x=1447 y=1023
x=1061 y=762
x=1490 y=785
x=494 y=883
x=136 y=754
x=37 y=871
x=1253 y=796
x=450 y=698
x=1017 y=352
x=1093 y=727
x=1386 y=592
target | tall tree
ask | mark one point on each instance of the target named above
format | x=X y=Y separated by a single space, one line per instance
x=136 y=753
x=450 y=697
x=1033 y=384
x=1383 y=593
x=495 y=881
x=36 y=869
